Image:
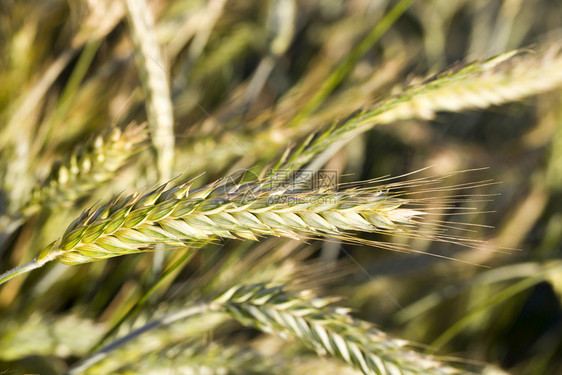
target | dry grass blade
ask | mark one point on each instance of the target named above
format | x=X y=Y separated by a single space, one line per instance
x=325 y=329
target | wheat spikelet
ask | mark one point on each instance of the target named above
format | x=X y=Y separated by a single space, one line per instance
x=94 y=163
x=325 y=329
x=178 y=216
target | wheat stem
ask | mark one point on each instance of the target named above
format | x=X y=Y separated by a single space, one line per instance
x=27 y=267
x=140 y=303
x=350 y=61
x=163 y=321
x=155 y=83
x=493 y=300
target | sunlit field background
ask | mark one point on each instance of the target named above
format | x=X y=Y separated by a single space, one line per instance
x=247 y=80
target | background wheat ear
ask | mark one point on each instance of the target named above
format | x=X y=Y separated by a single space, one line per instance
x=294 y=316
x=88 y=167
x=327 y=330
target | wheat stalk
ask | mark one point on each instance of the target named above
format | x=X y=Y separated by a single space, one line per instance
x=154 y=80
x=86 y=168
x=350 y=61
x=327 y=330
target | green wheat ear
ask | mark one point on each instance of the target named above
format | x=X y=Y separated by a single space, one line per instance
x=297 y=316
x=180 y=216
x=325 y=329
x=86 y=168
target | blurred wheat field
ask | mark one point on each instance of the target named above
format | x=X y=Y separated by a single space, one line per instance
x=162 y=135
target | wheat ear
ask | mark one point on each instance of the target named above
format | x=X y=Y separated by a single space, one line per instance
x=87 y=167
x=176 y=216
x=504 y=78
x=325 y=329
